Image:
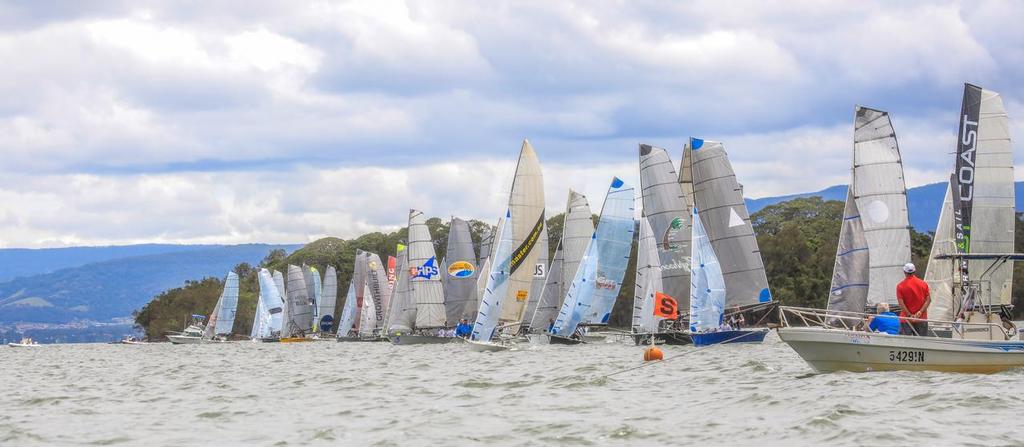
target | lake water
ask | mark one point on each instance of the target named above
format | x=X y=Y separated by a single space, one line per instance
x=377 y=394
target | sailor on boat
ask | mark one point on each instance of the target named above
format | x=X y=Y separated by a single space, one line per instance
x=914 y=298
x=464 y=329
x=884 y=321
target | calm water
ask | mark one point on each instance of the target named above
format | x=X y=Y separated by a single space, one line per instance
x=374 y=393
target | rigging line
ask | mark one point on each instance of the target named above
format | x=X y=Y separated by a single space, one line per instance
x=642 y=365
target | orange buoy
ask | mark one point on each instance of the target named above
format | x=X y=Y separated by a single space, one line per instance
x=653 y=353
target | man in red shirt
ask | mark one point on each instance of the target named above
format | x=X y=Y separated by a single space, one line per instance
x=914 y=299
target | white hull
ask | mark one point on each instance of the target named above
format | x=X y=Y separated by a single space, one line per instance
x=486 y=346
x=829 y=350
x=185 y=340
x=23 y=345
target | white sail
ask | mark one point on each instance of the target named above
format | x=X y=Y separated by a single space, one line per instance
x=876 y=221
x=224 y=317
x=367 y=314
x=349 y=311
x=300 y=307
x=648 y=280
x=313 y=290
x=492 y=298
x=279 y=283
x=551 y=295
x=598 y=279
x=380 y=293
x=980 y=202
x=425 y=287
x=707 y=283
x=359 y=279
x=526 y=208
x=330 y=299
x=719 y=197
x=668 y=211
x=540 y=277
x=268 y=309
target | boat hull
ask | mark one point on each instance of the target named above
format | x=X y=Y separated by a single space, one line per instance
x=419 y=340
x=664 y=338
x=486 y=346
x=560 y=340
x=361 y=339
x=828 y=350
x=23 y=345
x=295 y=340
x=729 y=337
x=184 y=340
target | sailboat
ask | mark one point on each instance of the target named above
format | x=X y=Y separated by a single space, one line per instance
x=510 y=275
x=329 y=294
x=874 y=240
x=648 y=296
x=221 y=320
x=299 y=308
x=667 y=201
x=425 y=290
x=969 y=271
x=727 y=276
x=368 y=283
x=577 y=230
x=266 y=325
x=540 y=276
x=313 y=290
x=460 y=273
x=598 y=278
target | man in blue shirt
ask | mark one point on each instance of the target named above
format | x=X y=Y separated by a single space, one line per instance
x=885 y=321
x=463 y=329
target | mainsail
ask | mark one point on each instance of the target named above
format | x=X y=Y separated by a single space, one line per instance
x=300 y=308
x=978 y=213
x=349 y=311
x=377 y=282
x=540 y=276
x=279 y=283
x=874 y=240
x=330 y=299
x=359 y=279
x=598 y=279
x=492 y=298
x=223 y=318
x=707 y=282
x=719 y=198
x=526 y=208
x=367 y=315
x=577 y=230
x=668 y=210
x=268 y=308
x=425 y=287
x=313 y=291
x=649 y=280
x=460 y=273
x=551 y=295
x=402 y=311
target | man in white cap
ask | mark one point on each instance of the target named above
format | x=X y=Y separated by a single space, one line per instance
x=914 y=299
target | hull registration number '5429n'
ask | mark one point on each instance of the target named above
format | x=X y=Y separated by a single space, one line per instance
x=906 y=356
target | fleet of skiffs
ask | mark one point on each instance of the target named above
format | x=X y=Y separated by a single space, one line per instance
x=699 y=278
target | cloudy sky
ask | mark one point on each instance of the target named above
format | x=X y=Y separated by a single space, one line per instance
x=230 y=122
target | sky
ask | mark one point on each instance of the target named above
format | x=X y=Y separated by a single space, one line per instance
x=287 y=121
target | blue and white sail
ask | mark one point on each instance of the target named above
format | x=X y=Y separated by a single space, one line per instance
x=268 y=309
x=489 y=311
x=599 y=277
x=707 y=283
x=222 y=320
x=349 y=312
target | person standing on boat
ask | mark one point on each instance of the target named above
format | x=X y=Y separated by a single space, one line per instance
x=914 y=299
x=884 y=321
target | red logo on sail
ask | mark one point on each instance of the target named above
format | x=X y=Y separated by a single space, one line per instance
x=665 y=306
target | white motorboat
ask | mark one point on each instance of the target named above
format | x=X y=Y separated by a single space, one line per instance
x=192 y=335
x=25 y=342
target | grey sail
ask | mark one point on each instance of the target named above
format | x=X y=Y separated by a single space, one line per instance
x=279 y=282
x=330 y=296
x=461 y=273
x=540 y=276
x=377 y=285
x=666 y=208
x=300 y=307
x=869 y=268
x=359 y=279
x=551 y=295
x=402 y=311
x=576 y=234
x=486 y=247
x=981 y=202
x=719 y=199
x=425 y=287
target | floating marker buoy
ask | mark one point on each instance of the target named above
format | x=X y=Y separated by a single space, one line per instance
x=653 y=353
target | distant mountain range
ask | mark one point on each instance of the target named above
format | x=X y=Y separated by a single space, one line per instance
x=924 y=202
x=112 y=288
x=15 y=262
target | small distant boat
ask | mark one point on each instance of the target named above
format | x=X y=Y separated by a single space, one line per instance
x=192 y=335
x=132 y=340
x=25 y=342
x=221 y=320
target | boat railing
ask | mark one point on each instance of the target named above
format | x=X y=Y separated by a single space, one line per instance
x=791 y=316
